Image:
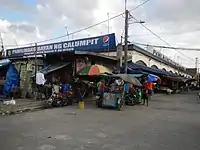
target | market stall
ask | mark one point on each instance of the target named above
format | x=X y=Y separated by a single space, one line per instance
x=9 y=78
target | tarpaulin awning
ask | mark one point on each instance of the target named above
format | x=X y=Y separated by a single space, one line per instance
x=147 y=69
x=136 y=75
x=133 y=68
x=54 y=67
x=152 y=78
x=51 y=68
x=129 y=70
x=129 y=79
x=4 y=62
x=150 y=70
x=177 y=79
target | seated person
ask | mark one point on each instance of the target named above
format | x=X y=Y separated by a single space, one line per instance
x=126 y=88
x=66 y=87
x=132 y=90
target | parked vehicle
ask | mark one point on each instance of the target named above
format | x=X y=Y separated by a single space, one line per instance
x=130 y=99
x=59 y=98
x=99 y=100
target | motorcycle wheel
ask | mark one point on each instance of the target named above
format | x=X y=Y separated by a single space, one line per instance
x=126 y=99
x=49 y=102
x=98 y=103
x=131 y=102
x=120 y=104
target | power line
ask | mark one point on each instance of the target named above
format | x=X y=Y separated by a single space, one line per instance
x=139 y=5
x=161 y=38
x=169 y=47
x=167 y=34
x=62 y=36
x=83 y=29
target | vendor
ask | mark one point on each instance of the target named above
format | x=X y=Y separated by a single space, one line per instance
x=101 y=87
x=132 y=89
x=148 y=89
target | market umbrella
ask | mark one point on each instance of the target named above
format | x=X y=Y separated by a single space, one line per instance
x=130 y=79
x=94 y=70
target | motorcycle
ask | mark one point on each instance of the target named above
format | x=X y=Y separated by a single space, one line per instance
x=60 y=98
x=99 y=100
x=129 y=99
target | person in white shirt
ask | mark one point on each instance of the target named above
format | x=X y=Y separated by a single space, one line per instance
x=40 y=81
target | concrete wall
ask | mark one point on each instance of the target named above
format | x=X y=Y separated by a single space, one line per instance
x=26 y=68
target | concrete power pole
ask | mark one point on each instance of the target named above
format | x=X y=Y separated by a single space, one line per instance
x=2 y=45
x=196 y=70
x=126 y=41
x=36 y=90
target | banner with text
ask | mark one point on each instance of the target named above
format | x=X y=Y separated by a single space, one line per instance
x=93 y=44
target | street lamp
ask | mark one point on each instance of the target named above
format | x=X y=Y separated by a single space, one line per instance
x=141 y=22
x=67 y=33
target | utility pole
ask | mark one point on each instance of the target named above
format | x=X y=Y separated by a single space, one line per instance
x=108 y=30
x=2 y=46
x=196 y=70
x=36 y=90
x=35 y=59
x=126 y=41
x=67 y=32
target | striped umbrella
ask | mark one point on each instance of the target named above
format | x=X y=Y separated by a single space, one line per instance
x=94 y=70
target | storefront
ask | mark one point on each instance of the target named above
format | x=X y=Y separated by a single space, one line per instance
x=56 y=56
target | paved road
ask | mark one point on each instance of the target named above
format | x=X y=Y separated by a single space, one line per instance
x=169 y=123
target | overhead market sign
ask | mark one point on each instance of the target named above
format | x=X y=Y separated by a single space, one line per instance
x=93 y=44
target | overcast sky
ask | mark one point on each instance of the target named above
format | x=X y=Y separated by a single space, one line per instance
x=176 y=21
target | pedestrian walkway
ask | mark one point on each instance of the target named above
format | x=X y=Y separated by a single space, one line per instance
x=22 y=105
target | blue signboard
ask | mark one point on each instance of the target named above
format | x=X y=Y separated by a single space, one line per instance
x=93 y=44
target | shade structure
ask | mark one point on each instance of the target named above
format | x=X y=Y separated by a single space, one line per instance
x=136 y=75
x=94 y=70
x=177 y=79
x=152 y=78
x=52 y=68
x=129 y=79
x=4 y=62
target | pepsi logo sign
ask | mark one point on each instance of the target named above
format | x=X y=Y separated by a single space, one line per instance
x=105 y=39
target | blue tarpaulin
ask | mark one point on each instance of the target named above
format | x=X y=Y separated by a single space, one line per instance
x=129 y=70
x=152 y=78
x=150 y=70
x=12 y=80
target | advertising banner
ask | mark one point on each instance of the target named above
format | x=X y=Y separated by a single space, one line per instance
x=93 y=44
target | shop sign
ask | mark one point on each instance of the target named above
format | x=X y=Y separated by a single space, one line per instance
x=93 y=44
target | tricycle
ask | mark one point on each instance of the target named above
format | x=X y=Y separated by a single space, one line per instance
x=110 y=100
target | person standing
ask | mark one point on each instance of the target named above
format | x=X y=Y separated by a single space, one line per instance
x=148 y=88
x=40 y=81
x=100 y=92
x=101 y=87
x=144 y=94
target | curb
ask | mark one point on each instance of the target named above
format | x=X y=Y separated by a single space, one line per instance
x=22 y=110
